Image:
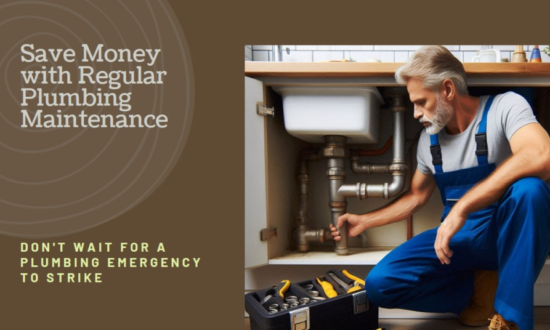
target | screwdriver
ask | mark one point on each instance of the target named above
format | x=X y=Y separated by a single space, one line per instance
x=327 y=287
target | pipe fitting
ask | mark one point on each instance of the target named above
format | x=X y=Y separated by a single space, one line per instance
x=334 y=152
x=384 y=190
x=318 y=235
x=349 y=190
x=303 y=244
x=336 y=172
x=368 y=168
x=335 y=140
x=397 y=169
x=397 y=103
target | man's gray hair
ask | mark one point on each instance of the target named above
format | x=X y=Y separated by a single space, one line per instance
x=432 y=65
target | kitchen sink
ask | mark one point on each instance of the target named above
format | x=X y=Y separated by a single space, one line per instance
x=310 y=113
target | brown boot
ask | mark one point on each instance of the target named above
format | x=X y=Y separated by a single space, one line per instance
x=499 y=323
x=480 y=307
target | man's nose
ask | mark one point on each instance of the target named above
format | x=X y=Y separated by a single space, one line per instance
x=417 y=112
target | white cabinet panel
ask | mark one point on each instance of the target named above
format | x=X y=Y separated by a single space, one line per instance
x=255 y=176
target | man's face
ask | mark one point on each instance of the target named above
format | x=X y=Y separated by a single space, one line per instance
x=429 y=108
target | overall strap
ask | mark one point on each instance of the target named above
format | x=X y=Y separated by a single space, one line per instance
x=482 y=151
x=435 y=149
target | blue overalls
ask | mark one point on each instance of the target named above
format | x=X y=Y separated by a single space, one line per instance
x=511 y=236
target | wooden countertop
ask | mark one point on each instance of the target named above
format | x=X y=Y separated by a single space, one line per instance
x=358 y=69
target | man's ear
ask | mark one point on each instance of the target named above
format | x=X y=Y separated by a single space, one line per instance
x=449 y=89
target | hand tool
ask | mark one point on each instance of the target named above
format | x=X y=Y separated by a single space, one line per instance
x=282 y=287
x=266 y=299
x=355 y=278
x=328 y=288
x=344 y=285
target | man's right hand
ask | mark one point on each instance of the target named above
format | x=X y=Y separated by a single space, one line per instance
x=355 y=225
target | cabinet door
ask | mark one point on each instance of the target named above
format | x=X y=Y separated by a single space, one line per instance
x=255 y=212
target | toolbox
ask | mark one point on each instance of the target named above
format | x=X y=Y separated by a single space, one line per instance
x=323 y=303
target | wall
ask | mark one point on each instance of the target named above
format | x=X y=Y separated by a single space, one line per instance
x=385 y=53
x=248 y=53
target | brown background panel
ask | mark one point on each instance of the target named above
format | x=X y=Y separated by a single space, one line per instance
x=199 y=210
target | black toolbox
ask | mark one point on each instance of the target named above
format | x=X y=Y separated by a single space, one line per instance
x=346 y=311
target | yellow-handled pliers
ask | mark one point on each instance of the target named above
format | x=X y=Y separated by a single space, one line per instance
x=353 y=277
x=328 y=288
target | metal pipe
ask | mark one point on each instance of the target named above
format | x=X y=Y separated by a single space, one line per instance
x=336 y=154
x=399 y=137
x=304 y=236
x=277 y=51
x=397 y=168
x=384 y=190
x=349 y=190
x=318 y=235
x=368 y=168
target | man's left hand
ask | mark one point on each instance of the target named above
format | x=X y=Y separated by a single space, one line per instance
x=448 y=228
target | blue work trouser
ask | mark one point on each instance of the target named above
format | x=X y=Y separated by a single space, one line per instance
x=513 y=239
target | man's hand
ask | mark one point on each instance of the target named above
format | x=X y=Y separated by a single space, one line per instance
x=448 y=228
x=355 y=225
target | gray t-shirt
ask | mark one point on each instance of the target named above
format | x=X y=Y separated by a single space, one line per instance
x=509 y=112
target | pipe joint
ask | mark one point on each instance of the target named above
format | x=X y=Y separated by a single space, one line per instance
x=398 y=169
x=397 y=103
x=362 y=194
x=318 y=235
x=337 y=172
x=335 y=152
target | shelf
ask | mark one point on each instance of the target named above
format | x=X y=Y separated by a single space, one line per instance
x=357 y=256
x=380 y=70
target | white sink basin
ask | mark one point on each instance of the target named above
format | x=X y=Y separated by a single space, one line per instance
x=313 y=112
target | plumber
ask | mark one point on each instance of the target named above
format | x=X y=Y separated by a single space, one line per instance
x=488 y=156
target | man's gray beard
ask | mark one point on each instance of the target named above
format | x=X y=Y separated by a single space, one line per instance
x=443 y=113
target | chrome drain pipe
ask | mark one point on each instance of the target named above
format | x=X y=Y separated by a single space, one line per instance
x=305 y=235
x=336 y=153
x=398 y=167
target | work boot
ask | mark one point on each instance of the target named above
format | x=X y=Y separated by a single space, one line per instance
x=499 y=323
x=480 y=307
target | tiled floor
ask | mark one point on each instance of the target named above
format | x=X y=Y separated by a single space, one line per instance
x=542 y=322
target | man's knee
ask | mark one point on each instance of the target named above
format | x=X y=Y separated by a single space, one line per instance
x=529 y=188
x=379 y=289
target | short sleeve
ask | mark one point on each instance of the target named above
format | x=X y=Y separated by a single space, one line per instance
x=513 y=112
